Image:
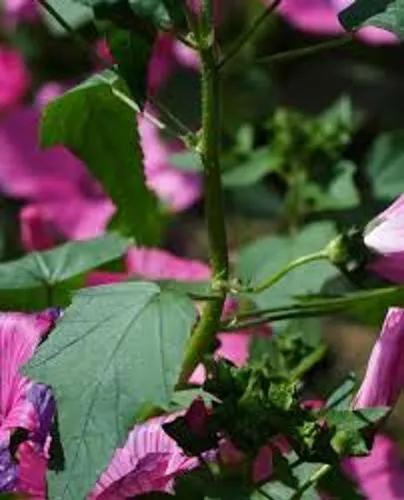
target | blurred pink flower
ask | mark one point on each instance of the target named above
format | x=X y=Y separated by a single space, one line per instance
x=262 y=466
x=384 y=378
x=385 y=237
x=149 y=462
x=20 y=10
x=23 y=404
x=177 y=189
x=15 y=78
x=53 y=182
x=168 y=53
x=379 y=475
x=36 y=233
x=320 y=17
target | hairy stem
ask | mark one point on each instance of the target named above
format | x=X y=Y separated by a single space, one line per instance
x=203 y=338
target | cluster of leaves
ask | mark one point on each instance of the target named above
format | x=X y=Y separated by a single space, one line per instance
x=253 y=407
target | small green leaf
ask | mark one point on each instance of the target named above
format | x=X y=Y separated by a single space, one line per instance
x=386 y=14
x=249 y=172
x=43 y=279
x=187 y=161
x=350 y=438
x=341 y=398
x=385 y=165
x=101 y=130
x=116 y=349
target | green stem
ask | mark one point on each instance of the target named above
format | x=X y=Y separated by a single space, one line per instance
x=290 y=55
x=286 y=270
x=203 y=339
x=309 y=362
x=248 y=34
x=293 y=313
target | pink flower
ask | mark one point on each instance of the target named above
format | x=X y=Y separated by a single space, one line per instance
x=14 y=78
x=177 y=189
x=23 y=404
x=379 y=475
x=36 y=232
x=262 y=466
x=149 y=462
x=385 y=237
x=55 y=183
x=384 y=376
x=320 y=17
x=20 y=10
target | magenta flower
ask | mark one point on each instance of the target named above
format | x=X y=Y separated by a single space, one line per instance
x=149 y=462
x=168 y=53
x=15 y=78
x=384 y=376
x=177 y=189
x=320 y=17
x=379 y=475
x=384 y=236
x=20 y=10
x=23 y=404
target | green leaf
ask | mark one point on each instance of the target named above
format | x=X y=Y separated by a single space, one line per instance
x=116 y=349
x=338 y=485
x=350 y=438
x=42 y=279
x=341 y=194
x=132 y=53
x=71 y=11
x=386 y=14
x=163 y=13
x=267 y=256
x=101 y=130
x=156 y=10
x=284 y=488
x=188 y=161
x=341 y=398
x=385 y=165
x=249 y=172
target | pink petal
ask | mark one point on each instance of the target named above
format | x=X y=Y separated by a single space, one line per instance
x=161 y=265
x=384 y=376
x=37 y=233
x=15 y=79
x=320 y=17
x=149 y=461
x=385 y=237
x=97 y=278
x=314 y=16
x=21 y=10
x=178 y=189
x=19 y=337
x=32 y=472
x=380 y=475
